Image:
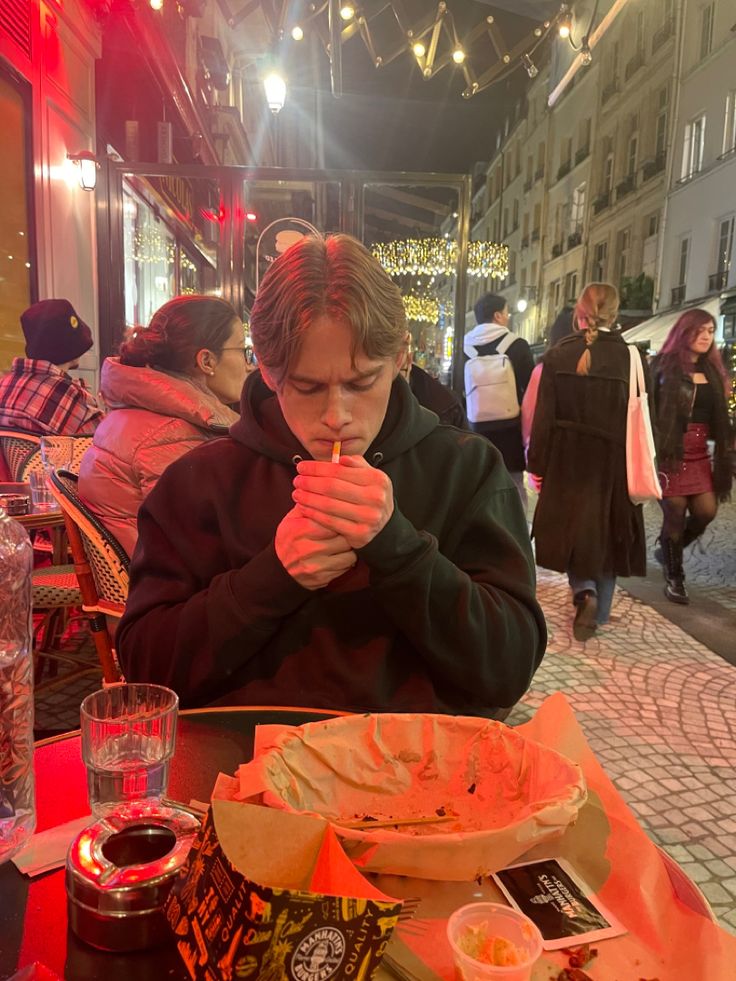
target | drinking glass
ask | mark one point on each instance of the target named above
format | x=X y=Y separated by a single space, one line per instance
x=41 y=496
x=56 y=452
x=128 y=739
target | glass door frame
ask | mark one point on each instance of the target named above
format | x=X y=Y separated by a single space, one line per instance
x=231 y=250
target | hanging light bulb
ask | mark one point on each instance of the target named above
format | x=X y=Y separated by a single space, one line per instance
x=521 y=304
x=156 y=4
x=564 y=24
x=297 y=33
x=458 y=55
x=531 y=69
x=347 y=11
x=586 y=56
x=275 y=87
x=419 y=49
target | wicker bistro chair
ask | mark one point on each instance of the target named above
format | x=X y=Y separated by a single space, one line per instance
x=101 y=565
x=34 y=462
x=20 y=450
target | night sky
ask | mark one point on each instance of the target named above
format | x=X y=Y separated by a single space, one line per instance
x=392 y=119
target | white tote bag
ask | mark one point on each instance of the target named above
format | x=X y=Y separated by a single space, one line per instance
x=641 y=469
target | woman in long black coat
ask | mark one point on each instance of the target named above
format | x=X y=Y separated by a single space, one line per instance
x=584 y=523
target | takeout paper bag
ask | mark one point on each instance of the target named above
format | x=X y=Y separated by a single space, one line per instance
x=272 y=896
x=504 y=793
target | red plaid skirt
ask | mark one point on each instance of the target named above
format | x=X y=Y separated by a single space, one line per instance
x=695 y=474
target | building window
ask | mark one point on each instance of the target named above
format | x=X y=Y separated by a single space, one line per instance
x=729 y=124
x=683 y=261
x=600 y=258
x=505 y=222
x=516 y=214
x=725 y=246
x=651 y=225
x=706 y=30
x=17 y=258
x=660 y=134
x=571 y=287
x=623 y=245
x=577 y=210
x=632 y=155
x=608 y=173
x=692 y=151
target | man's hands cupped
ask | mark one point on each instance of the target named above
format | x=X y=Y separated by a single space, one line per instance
x=351 y=498
x=311 y=554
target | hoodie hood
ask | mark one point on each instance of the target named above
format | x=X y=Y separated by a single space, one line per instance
x=482 y=334
x=262 y=428
x=128 y=387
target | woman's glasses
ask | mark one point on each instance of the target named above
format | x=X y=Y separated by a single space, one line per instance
x=247 y=353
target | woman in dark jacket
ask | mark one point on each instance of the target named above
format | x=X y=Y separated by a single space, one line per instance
x=585 y=524
x=690 y=404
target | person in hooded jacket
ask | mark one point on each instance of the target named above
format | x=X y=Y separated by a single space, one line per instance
x=169 y=390
x=399 y=578
x=492 y=327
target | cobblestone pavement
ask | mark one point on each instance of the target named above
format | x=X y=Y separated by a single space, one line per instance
x=659 y=711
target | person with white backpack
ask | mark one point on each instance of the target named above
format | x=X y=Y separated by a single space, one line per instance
x=497 y=371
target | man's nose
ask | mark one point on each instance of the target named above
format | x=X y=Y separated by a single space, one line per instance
x=336 y=412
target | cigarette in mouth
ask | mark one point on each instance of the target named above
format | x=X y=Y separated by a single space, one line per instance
x=336 y=446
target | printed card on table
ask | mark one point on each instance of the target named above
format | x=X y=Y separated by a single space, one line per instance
x=554 y=897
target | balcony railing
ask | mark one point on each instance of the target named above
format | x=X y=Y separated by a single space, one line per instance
x=626 y=186
x=663 y=34
x=718 y=280
x=524 y=241
x=574 y=238
x=609 y=91
x=678 y=294
x=564 y=168
x=651 y=168
x=556 y=250
x=633 y=65
x=601 y=202
x=535 y=235
x=581 y=154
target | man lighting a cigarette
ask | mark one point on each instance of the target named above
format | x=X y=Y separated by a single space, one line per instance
x=390 y=573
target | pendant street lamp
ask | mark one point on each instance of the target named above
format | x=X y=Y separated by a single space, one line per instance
x=275 y=87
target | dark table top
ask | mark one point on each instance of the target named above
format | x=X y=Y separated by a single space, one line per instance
x=33 y=919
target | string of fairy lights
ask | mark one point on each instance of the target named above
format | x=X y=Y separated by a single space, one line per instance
x=438 y=257
x=152 y=248
x=422 y=308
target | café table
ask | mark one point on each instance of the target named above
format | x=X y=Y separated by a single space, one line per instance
x=668 y=927
x=36 y=519
x=33 y=917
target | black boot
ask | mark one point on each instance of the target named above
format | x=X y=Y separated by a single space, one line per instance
x=674 y=576
x=693 y=531
x=586 y=613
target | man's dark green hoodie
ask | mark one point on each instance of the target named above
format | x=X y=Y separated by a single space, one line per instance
x=438 y=615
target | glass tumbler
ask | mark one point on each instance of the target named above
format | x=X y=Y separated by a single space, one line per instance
x=128 y=739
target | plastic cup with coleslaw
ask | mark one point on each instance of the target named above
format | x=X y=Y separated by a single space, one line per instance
x=492 y=942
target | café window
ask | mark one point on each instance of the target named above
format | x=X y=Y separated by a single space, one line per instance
x=17 y=257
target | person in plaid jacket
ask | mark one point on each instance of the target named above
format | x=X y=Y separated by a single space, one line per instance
x=37 y=395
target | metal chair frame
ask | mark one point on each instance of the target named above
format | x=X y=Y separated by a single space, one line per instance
x=101 y=565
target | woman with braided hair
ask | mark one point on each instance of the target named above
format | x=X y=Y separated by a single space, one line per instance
x=169 y=390
x=690 y=407
x=585 y=524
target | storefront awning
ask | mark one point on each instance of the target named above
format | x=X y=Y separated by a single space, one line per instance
x=656 y=329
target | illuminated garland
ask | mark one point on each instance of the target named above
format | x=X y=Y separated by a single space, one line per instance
x=152 y=247
x=438 y=257
x=422 y=308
